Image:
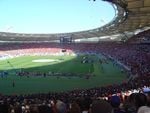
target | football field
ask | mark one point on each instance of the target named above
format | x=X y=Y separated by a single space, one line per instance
x=43 y=74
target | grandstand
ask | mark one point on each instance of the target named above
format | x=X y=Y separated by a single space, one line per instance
x=77 y=72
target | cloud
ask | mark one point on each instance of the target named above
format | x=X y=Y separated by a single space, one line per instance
x=9 y=28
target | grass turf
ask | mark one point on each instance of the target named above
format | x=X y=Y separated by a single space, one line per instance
x=105 y=74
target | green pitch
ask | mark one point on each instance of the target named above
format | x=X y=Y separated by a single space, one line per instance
x=101 y=74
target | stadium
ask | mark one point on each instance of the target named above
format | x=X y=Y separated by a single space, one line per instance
x=101 y=69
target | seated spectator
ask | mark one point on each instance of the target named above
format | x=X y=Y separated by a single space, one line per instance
x=61 y=107
x=115 y=103
x=148 y=98
x=144 y=109
x=140 y=100
x=101 y=106
x=74 y=108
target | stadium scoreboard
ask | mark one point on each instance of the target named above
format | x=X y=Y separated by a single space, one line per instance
x=66 y=39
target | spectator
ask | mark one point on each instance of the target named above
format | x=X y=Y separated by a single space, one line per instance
x=101 y=106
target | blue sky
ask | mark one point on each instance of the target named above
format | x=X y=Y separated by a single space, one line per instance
x=53 y=16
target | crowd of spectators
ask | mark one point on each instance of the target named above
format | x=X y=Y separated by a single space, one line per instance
x=127 y=97
x=124 y=98
x=134 y=56
x=142 y=37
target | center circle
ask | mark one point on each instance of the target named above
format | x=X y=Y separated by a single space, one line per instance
x=45 y=60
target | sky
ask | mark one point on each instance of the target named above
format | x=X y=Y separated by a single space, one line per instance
x=53 y=16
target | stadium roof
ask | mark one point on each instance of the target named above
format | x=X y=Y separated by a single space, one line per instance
x=131 y=15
